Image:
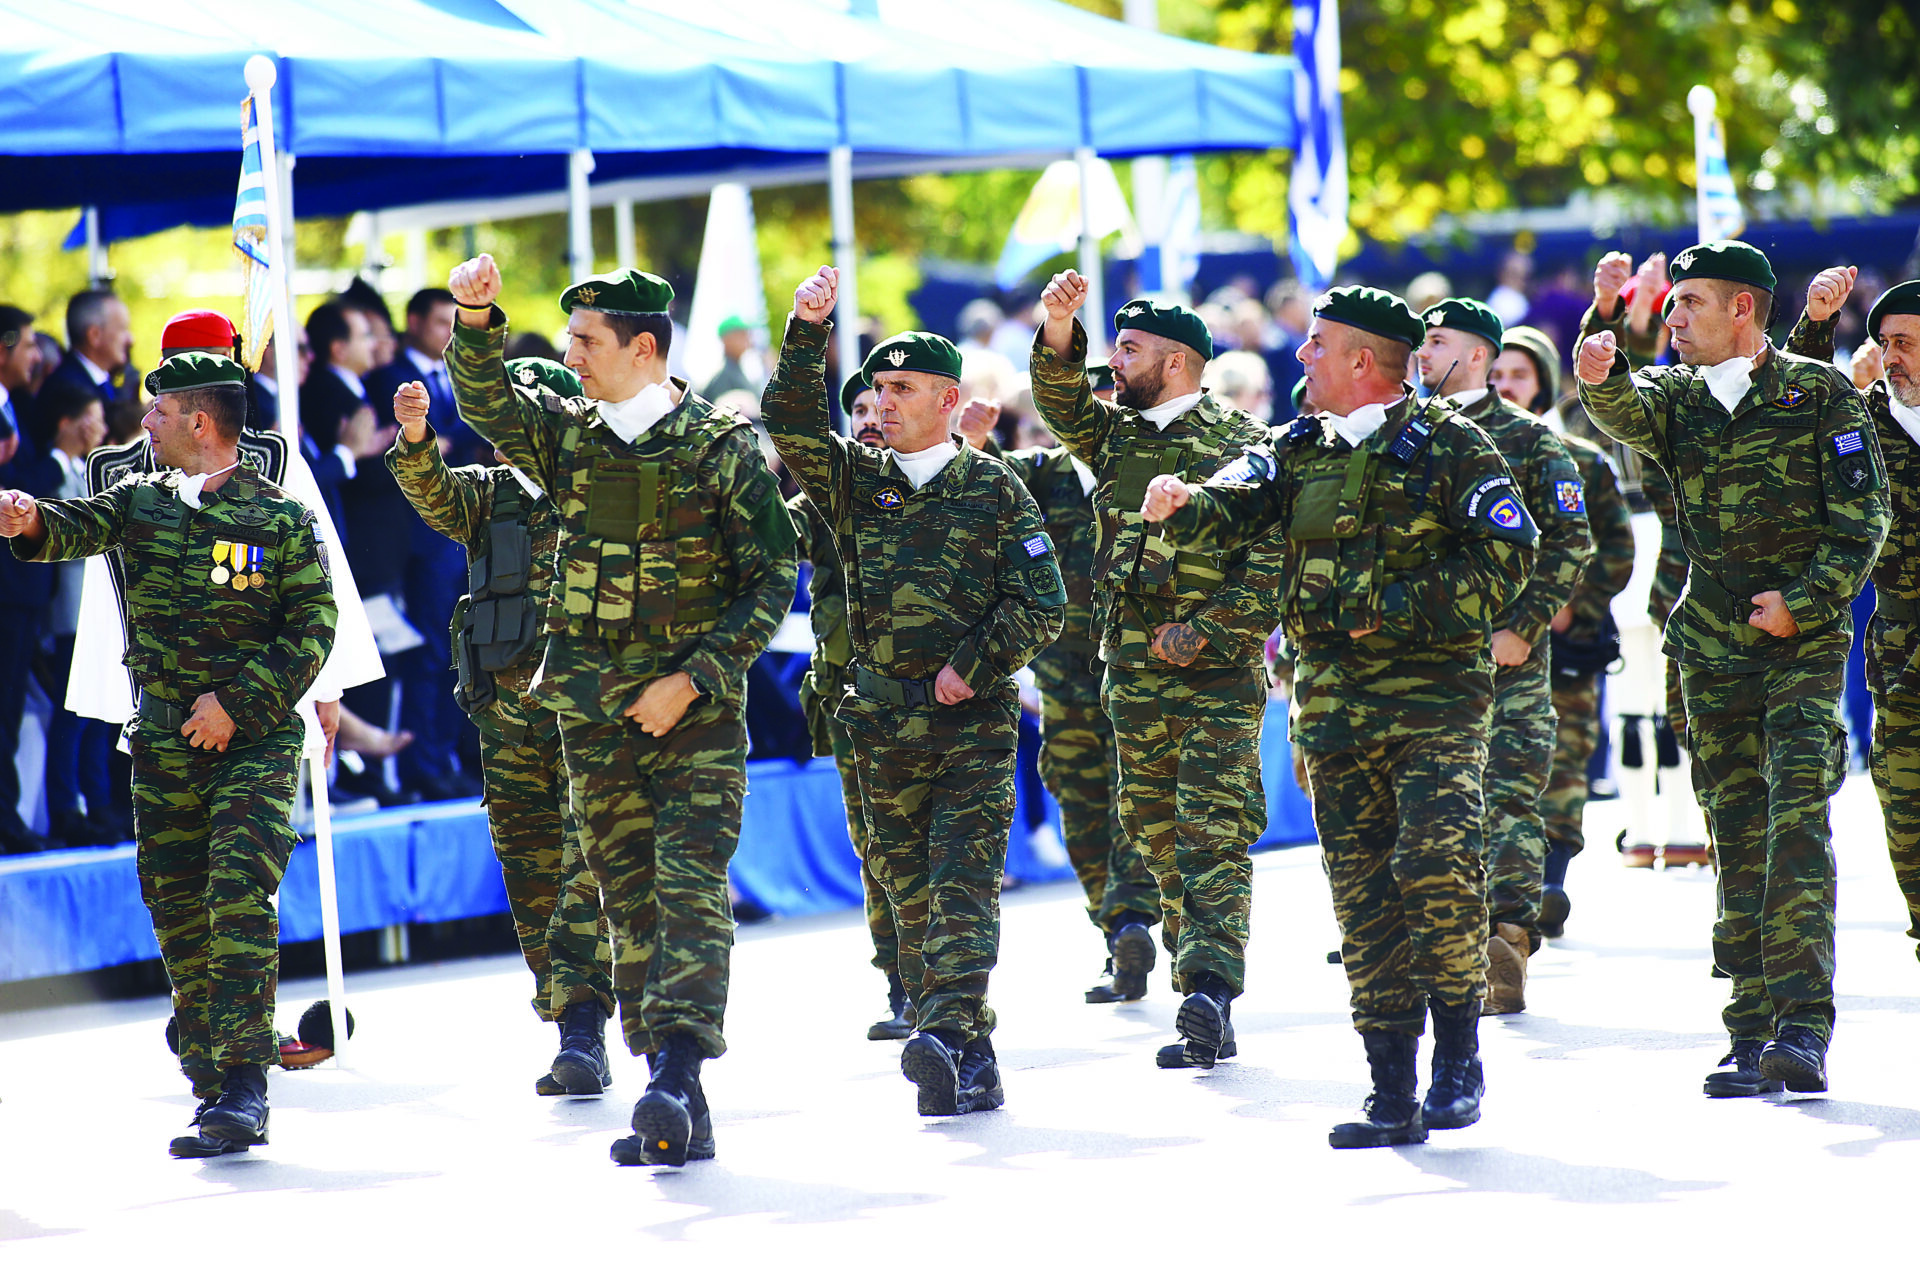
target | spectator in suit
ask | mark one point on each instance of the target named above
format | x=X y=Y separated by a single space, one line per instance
x=25 y=589
x=333 y=391
x=366 y=299
x=20 y=361
x=100 y=347
x=422 y=359
x=1290 y=308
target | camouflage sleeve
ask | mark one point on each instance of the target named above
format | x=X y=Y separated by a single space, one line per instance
x=1633 y=409
x=1813 y=338
x=1248 y=601
x=263 y=694
x=1065 y=400
x=1670 y=569
x=80 y=527
x=1640 y=348
x=1032 y=602
x=1227 y=514
x=508 y=419
x=1473 y=587
x=800 y=511
x=1610 y=523
x=1853 y=479
x=451 y=501
x=1556 y=499
x=758 y=536
x=794 y=412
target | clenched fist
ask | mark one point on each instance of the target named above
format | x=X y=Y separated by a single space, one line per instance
x=1065 y=294
x=1869 y=364
x=1596 y=358
x=1829 y=290
x=410 y=405
x=19 y=513
x=474 y=284
x=1165 y=495
x=813 y=300
x=1609 y=278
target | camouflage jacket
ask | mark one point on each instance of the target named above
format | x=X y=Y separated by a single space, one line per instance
x=1070 y=667
x=1555 y=495
x=825 y=682
x=458 y=501
x=1896 y=573
x=959 y=571
x=1140 y=579
x=1431 y=552
x=1787 y=494
x=1610 y=522
x=192 y=627
x=675 y=552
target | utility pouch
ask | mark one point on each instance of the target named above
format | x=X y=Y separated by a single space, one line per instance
x=622 y=500
x=1333 y=504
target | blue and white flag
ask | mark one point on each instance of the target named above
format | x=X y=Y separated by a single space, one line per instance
x=252 y=240
x=1317 y=188
x=1720 y=215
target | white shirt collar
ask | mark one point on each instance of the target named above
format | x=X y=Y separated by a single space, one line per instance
x=1163 y=414
x=1463 y=399
x=1908 y=418
x=352 y=380
x=94 y=371
x=1729 y=380
x=424 y=362
x=925 y=465
x=5 y=395
x=630 y=417
x=1358 y=427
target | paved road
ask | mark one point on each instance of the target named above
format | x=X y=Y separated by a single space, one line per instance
x=430 y=1154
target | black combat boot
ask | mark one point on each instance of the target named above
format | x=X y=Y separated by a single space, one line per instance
x=931 y=1059
x=1554 y=903
x=671 y=1123
x=1130 y=957
x=581 y=1067
x=1453 y=1096
x=979 y=1087
x=1173 y=1057
x=1742 y=1079
x=1797 y=1058
x=1392 y=1109
x=197 y=1145
x=1204 y=1021
x=239 y=1114
x=898 y=1024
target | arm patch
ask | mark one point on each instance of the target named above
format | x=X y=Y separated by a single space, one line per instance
x=1495 y=504
x=772 y=522
x=1033 y=556
x=1853 y=463
x=1251 y=467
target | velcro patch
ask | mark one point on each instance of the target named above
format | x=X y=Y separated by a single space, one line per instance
x=1847 y=442
x=1790 y=398
x=1506 y=514
x=1567 y=495
x=1031 y=549
x=1037 y=546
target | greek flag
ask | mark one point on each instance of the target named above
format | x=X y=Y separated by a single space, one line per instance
x=1720 y=215
x=252 y=241
x=1317 y=188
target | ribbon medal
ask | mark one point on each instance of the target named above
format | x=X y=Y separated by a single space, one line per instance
x=256 y=560
x=220 y=572
x=237 y=553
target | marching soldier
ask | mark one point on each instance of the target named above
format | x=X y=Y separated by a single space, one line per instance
x=951 y=587
x=674 y=568
x=1887 y=368
x=230 y=615
x=508 y=526
x=1783 y=507
x=1183 y=636
x=1463 y=339
x=1407 y=542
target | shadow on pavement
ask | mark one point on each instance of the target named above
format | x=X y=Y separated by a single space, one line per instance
x=1002 y=1139
x=722 y=1193
x=1559 y=1039
x=1895 y=1124
x=1496 y=1170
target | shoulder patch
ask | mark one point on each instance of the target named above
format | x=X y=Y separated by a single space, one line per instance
x=1248 y=468
x=1790 y=398
x=1506 y=513
x=889 y=498
x=1846 y=442
x=1569 y=496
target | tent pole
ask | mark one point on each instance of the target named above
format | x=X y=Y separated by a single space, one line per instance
x=623 y=246
x=1094 y=314
x=286 y=353
x=579 y=215
x=97 y=272
x=846 y=312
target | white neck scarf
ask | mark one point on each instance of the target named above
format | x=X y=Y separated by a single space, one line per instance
x=1729 y=380
x=1163 y=414
x=926 y=464
x=1908 y=418
x=192 y=486
x=628 y=418
x=1084 y=472
x=1358 y=427
x=1464 y=399
x=534 y=491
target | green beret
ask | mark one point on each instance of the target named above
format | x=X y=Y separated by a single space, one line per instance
x=1733 y=260
x=913 y=352
x=1538 y=347
x=732 y=323
x=1172 y=322
x=628 y=293
x=193 y=371
x=530 y=371
x=1901 y=300
x=1467 y=316
x=1099 y=375
x=1376 y=311
x=850 y=391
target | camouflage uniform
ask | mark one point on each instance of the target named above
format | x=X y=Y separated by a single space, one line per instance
x=1893 y=637
x=1520 y=750
x=1189 y=737
x=213 y=828
x=1576 y=699
x=1788 y=494
x=554 y=899
x=1394 y=723
x=1079 y=758
x=676 y=555
x=946 y=573
x=820 y=692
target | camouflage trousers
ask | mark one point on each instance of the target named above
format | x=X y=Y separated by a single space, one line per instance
x=214 y=834
x=1401 y=830
x=1769 y=751
x=1563 y=806
x=880 y=926
x=1079 y=761
x=554 y=899
x=937 y=824
x=659 y=819
x=1192 y=803
x=1895 y=757
x=1519 y=758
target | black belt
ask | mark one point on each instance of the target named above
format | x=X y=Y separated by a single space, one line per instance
x=1896 y=608
x=162 y=714
x=1710 y=595
x=901 y=693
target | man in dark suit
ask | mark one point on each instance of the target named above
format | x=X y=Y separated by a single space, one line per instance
x=25 y=589
x=100 y=347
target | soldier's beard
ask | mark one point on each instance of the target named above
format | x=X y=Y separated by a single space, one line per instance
x=1139 y=390
x=1904 y=386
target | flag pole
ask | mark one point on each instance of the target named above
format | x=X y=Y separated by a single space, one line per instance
x=261 y=74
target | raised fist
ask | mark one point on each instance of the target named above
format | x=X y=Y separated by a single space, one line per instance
x=1596 y=358
x=17 y=510
x=977 y=421
x=410 y=404
x=1828 y=292
x=1869 y=364
x=475 y=283
x=813 y=300
x=1165 y=495
x=1065 y=294
x=1609 y=278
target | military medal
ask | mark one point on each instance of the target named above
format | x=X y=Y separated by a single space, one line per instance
x=220 y=572
x=255 y=555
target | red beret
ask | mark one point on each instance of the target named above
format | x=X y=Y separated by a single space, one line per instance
x=197 y=329
x=1659 y=299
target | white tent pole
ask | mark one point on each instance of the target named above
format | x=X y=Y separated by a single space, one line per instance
x=1094 y=314
x=97 y=272
x=846 y=311
x=579 y=215
x=623 y=244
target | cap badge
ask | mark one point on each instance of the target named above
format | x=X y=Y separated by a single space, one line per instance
x=897 y=357
x=586 y=296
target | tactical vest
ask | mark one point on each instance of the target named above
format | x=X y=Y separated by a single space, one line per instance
x=644 y=564
x=1069 y=512
x=1342 y=554
x=1129 y=559
x=494 y=623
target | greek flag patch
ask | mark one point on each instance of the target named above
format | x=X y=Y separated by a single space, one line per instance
x=1846 y=443
x=1037 y=545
